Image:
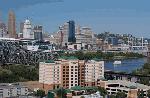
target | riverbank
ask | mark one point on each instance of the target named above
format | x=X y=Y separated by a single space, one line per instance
x=102 y=56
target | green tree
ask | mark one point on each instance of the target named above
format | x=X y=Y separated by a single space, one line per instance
x=102 y=91
x=61 y=93
x=40 y=93
x=148 y=93
x=121 y=95
x=111 y=96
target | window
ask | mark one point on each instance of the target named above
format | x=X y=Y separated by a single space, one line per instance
x=67 y=72
x=113 y=89
x=107 y=88
x=74 y=62
x=67 y=75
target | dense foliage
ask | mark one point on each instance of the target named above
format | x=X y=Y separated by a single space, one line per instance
x=102 y=91
x=100 y=55
x=40 y=93
x=61 y=93
x=18 y=73
x=145 y=71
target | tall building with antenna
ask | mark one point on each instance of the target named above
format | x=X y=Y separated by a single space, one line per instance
x=12 y=24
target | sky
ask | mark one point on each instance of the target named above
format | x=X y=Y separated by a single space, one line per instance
x=116 y=16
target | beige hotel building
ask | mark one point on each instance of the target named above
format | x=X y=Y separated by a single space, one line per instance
x=70 y=72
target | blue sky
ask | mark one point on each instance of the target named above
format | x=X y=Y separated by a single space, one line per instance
x=117 y=16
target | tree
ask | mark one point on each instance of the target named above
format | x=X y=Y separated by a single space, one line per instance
x=102 y=91
x=111 y=96
x=40 y=93
x=121 y=95
x=61 y=93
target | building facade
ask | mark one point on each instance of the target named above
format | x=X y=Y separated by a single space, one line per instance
x=12 y=90
x=38 y=33
x=27 y=30
x=12 y=25
x=70 y=72
x=130 y=88
x=93 y=71
x=71 y=35
x=67 y=33
x=64 y=29
x=49 y=73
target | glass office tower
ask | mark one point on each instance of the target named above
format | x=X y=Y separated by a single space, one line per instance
x=71 y=37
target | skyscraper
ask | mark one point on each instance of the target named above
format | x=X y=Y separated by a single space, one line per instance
x=21 y=27
x=71 y=37
x=64 y=29
x=38 y=33
x=11 y=25
x=3 y=31
x=68 y=33
x=27 y=30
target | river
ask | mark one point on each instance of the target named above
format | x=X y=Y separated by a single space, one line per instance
x=128 y=65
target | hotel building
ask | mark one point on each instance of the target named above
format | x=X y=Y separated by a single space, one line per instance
x=93 y=70
x=70 y=72
x=49 y=73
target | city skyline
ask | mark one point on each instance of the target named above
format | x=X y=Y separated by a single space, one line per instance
x=113 y=16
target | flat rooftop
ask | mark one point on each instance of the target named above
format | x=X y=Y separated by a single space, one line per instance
x=128 y=84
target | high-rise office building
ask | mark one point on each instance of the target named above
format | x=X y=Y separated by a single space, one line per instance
x=21 y=27
x=64 y=29
x=68 y=33
x=38 y=33
x=12 y=24
x=112 y=40
x=3 y=29
x=71 y=35
x=27 y=30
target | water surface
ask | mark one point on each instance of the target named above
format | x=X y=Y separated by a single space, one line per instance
x=128 y=65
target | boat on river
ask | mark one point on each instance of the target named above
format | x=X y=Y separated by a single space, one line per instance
x=117 y=63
